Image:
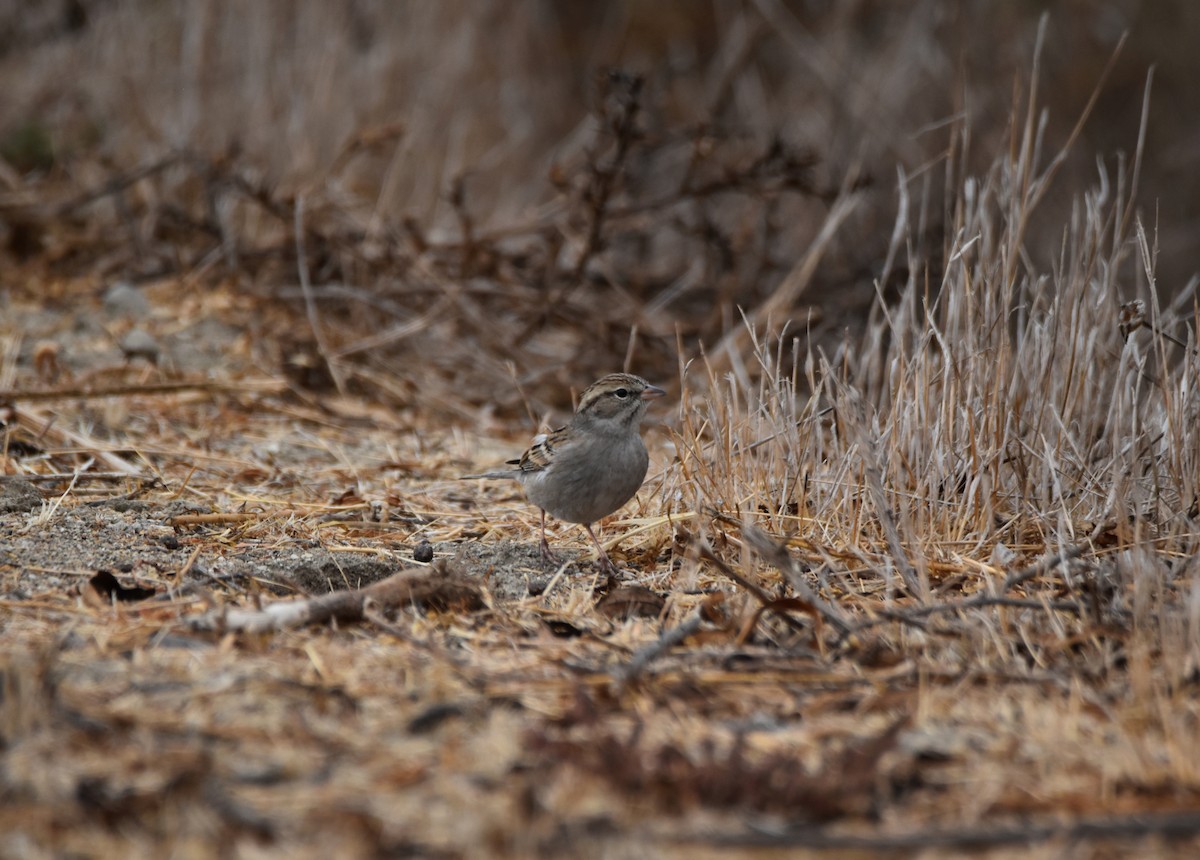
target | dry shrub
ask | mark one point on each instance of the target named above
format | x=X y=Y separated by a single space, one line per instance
x=995 y=412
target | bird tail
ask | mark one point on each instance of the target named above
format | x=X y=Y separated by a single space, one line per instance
x=498 y=475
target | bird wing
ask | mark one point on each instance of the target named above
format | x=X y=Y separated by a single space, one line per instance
x=541 y=453
x=537 y=458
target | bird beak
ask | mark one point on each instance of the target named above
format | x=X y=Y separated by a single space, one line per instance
x=651 y=392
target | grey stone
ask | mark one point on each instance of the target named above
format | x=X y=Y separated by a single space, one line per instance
x=18 y=496
x=139 y=343
x=123 y=299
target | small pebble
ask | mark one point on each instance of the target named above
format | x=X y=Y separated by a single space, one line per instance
x=139 y=343
x=18 y=496
x=123 y=299
x=423 y=552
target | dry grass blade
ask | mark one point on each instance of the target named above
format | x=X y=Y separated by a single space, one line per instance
x=868 y=448
x=1038 y=568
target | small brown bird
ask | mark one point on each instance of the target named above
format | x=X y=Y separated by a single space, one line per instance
x=584 y=471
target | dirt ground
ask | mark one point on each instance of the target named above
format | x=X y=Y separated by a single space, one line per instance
x=407 y=723
x=528 y=722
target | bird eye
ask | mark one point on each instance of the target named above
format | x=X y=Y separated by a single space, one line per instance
x=621 y=393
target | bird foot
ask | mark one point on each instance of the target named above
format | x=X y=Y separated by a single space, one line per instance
x=547 y=554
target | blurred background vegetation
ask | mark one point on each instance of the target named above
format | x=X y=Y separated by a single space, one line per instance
x=464 y=170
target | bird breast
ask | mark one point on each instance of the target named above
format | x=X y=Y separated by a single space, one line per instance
x=588 y=481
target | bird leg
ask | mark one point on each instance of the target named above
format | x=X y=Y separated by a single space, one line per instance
x=546 y=554
x=605 y=562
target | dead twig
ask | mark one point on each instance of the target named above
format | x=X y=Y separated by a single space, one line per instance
x=212 y=519
x=1043 y=565
x=1176 y=825
x=621 y=100
x=310 y=303
x=441 y=585
x=776 y=555
x=872 y=472
x=262 y=386
x=58 y=477
x=979 y=601
x=120 y=183
x=647 y=654
x=470 y=674
x=768 y=602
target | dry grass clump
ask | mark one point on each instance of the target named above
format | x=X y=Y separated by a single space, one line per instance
x=996 y=401
x=1000 y=409
x=996 y=482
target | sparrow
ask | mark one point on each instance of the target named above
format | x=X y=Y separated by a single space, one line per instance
x=587 y=469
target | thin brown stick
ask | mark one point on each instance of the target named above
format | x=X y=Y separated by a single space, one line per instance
x=1176 y=825
x=440 y=585
x=1043 y=565
x=705 y=552
x=212 y=519
x=646 y=655
x=471 y=674
x=310 y=303
x=188 y=565
x=872 y=472
x=56 y=477
x=119 y=183
x=263 y=386
x=979 y=601
x=776 y=555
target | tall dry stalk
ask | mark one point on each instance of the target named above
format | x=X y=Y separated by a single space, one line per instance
x=1000 y=400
